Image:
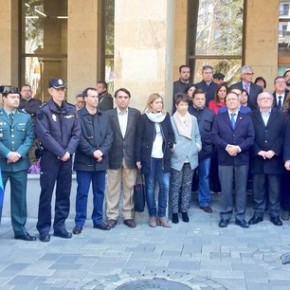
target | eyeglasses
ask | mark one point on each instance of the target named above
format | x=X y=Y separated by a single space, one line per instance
x=249 y=74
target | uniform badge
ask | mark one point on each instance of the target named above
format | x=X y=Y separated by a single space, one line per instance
x=69 y=116
x=53 y=116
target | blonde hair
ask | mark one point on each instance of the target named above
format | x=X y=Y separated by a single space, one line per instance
x=151 y=99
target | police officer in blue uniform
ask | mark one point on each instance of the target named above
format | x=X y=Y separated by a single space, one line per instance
x=58 y=130
x=16 y=137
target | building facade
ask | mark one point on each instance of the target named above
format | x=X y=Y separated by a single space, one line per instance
x=139 y=44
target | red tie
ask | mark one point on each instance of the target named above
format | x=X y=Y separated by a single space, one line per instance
x=247 y=87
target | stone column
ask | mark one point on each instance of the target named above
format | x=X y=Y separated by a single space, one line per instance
x=180 y=41
x=261 y=38
x=83 y=46
x=9 y=48
x=144 y=38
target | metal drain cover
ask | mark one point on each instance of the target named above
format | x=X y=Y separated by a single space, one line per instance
x=152 y=284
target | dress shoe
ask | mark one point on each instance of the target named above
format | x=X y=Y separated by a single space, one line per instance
x=185 y=217
x=207 y=208
x=77 y=230
x=255 y=219
x=153 y=222
x=223 y=223
x=130 y=223
x=242 y=224
x=102 y=226
x=285 y=215
x=25 y=237
x=44 y=237
x=112 y=223
x=163 y=222
x=63 y=234
x=276 y=221
x=174 y=218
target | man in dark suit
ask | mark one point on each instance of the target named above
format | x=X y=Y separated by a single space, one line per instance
x=16 y=137
x=247 y=84
x=182 y=83
x=207 y=84
x=233 y=135
x=280 y=93
x=122 y=164
x=106 y=101
x=267 y=167
x=285 y=197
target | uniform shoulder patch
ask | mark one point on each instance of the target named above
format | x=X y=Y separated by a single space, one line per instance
x=43 y=105
x=22 y=111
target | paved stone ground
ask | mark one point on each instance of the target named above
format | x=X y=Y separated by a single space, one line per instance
x=198 y=254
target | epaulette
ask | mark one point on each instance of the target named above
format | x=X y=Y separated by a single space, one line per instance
x=42 y=105
x=70 y=104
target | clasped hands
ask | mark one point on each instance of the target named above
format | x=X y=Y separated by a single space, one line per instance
x=98 y=155
x=233 y=150
x=13 y=157
x=266 y=154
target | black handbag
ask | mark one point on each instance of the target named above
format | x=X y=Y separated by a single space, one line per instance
x=139 y=193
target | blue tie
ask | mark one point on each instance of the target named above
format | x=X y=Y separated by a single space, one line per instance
x=233 y=121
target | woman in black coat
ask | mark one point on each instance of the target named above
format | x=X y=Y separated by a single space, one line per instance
x=155 y=140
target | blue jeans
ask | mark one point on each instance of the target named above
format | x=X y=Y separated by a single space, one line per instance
x=157 y=175
x=203 y=182
x=84 y=179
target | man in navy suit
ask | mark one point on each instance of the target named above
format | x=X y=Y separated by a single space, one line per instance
x=247 y=84
x=280 y=93
x=233 y=135
x=267 y=162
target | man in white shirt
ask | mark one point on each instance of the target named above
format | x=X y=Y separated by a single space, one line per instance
x=122 y=164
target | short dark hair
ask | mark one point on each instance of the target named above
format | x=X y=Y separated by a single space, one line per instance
x=26 y=85
x=261 y=79
x=86 y=90
x=183 y=66
x=103 y=83
x=180 y=97
x=122 y=90
x=198 y=92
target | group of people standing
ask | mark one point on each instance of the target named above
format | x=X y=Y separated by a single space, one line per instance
x=248 y=129
x=238 y=131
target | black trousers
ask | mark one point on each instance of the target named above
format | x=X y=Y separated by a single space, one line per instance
x=54 y=171
x=285 y=190
x=260 y=187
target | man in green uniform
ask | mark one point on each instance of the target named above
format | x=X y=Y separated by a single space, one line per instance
x=16 y=137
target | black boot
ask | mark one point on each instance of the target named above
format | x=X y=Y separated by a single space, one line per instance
x=185 y=217
x=175 y=219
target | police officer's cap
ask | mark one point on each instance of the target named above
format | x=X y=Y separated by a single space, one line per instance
x=5 y=90
x=56 y=83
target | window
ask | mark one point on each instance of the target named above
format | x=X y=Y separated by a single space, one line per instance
x=284 y=37
x=216 y=36
x=109 y=42
x=43 y=43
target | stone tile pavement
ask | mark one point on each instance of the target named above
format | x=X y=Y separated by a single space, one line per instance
x=198 y=254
